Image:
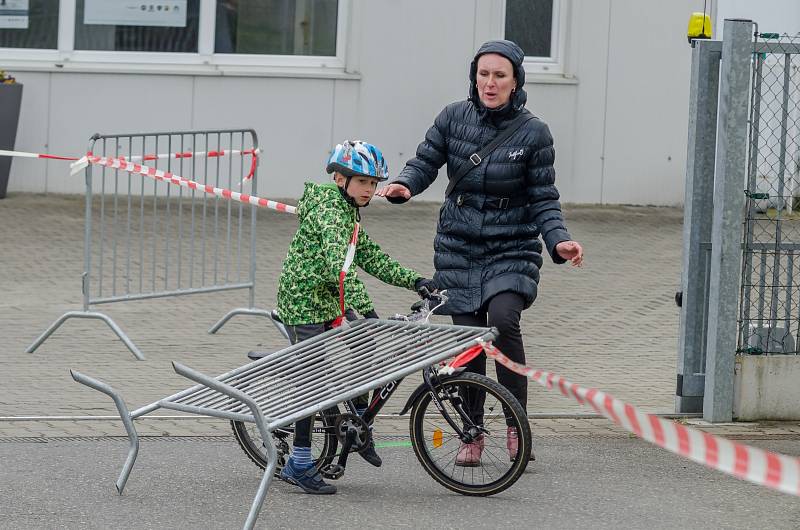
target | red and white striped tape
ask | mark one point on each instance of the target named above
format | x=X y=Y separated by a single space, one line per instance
x=166 y=176
x=159 y=156
x=23 y=154
x=195 y=154
x=348 y=261
x=773 y=470
x=200 y=154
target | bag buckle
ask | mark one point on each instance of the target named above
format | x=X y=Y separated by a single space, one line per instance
x=503 y=203
x=475 y=158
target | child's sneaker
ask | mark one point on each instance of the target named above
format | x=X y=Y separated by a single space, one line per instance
x=308 y=479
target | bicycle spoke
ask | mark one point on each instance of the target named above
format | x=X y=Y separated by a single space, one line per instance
x=439 y=445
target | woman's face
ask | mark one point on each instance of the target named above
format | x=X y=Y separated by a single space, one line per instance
x=495 y=79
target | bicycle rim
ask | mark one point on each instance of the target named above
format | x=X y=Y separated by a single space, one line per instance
x=436 y=443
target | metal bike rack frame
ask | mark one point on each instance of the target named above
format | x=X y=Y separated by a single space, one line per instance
x=303 y=379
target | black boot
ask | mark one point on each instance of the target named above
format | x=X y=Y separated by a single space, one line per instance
x=369 y=454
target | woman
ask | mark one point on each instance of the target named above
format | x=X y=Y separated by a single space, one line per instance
x=487 y=248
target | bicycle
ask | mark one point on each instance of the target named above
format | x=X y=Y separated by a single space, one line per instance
x=439 y=423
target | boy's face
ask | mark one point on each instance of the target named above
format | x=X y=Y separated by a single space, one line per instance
x=361 y=189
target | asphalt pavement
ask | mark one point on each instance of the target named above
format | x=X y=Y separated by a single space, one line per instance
x=577 y=482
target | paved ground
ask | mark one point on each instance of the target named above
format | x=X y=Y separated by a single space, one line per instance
x=612 y=324
x=613 y=482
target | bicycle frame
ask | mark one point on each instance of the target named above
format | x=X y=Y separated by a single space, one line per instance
x=432 y=378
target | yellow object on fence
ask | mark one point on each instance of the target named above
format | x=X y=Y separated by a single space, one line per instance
x=699 y=26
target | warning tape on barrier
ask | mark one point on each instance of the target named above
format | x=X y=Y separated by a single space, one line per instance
x=158 y=156
x=23 y=154
x=194 y=154
x=167 y=176
x=773 y=470
x=200 y=154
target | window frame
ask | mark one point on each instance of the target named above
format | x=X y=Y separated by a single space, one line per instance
x=556 y=62
x=203 y=61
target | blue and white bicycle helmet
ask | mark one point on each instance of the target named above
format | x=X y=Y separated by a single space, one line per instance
x=354 y=158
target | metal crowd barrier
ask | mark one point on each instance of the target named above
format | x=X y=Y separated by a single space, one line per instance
x=147 y=239
x=303 y=379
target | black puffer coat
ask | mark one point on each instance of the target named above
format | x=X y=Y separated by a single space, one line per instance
x=482 y=249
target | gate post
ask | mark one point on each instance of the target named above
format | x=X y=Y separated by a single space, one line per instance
x=697 y=213
x=728 y=216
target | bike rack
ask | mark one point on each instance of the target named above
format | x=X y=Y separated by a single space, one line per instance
x=303 y=379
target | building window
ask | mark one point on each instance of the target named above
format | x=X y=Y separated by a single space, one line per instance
x=276 y=27
x=540 y=28
x=29 y=24
x=236 y=37
x=137 y=26
x=529 y=23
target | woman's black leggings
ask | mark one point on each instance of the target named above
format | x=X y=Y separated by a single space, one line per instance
x=502 y=311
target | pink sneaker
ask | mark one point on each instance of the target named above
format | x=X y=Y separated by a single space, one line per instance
x=512 y=443
x=469 y=455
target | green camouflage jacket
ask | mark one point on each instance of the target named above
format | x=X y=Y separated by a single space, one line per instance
x=308 y=288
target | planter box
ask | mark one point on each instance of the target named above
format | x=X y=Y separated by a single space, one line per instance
x=10 y=101
x=765 y=387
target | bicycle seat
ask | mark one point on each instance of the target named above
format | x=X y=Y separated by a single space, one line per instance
x=256 y=355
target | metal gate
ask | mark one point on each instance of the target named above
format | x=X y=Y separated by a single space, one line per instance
x=740 y=282
x=148 y=239
x=769 y=320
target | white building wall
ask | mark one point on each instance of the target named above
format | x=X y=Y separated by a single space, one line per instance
x=772 y=16
x=618 y=116
x=647 y=103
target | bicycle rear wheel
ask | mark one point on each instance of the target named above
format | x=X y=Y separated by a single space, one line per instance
x=323 y=441
x=437 y=444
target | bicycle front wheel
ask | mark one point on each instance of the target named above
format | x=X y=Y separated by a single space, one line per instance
x=437 y=445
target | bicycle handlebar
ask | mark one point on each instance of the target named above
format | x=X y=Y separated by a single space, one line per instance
x=423 y=309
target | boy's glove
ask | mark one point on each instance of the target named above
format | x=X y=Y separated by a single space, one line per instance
x=425 y=287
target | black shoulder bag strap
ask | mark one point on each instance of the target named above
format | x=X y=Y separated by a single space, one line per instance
x=476 y=158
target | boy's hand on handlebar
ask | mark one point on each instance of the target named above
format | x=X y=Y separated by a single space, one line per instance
x=425 y=287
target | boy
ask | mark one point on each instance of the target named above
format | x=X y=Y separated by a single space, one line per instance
x=308 y=288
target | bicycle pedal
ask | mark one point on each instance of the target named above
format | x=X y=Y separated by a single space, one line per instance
x=332 y=471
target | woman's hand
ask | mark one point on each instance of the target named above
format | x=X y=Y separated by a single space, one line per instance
x=571 y=251
x=394 y=190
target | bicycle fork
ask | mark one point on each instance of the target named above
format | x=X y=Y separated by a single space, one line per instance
x=472 y=431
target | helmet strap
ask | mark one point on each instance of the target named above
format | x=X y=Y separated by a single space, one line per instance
x=347 y=197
